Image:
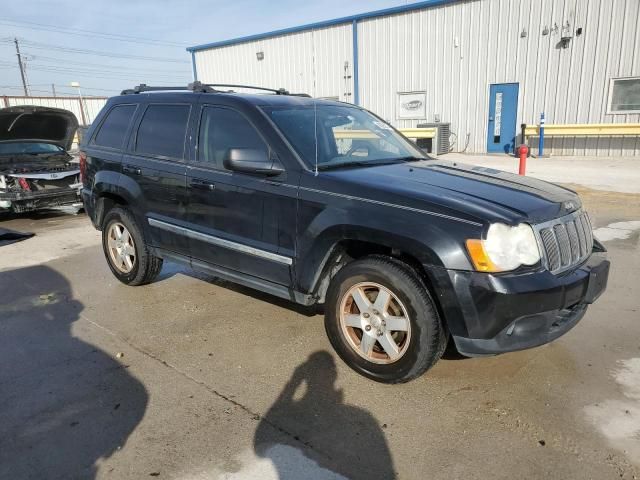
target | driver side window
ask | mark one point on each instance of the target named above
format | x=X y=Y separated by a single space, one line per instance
x=222 y=129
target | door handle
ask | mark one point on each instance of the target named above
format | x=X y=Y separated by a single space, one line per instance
x=132 y=169
x=202 y=185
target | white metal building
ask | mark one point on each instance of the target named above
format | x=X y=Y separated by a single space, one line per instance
x=85 y=110
x=485 y=66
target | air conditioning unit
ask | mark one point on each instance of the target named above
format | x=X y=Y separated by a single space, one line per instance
x=439 y=145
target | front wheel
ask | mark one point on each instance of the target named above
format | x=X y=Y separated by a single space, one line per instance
x=382 y=321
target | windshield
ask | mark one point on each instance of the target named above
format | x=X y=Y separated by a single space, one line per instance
x=345 y=136
x=28 y=148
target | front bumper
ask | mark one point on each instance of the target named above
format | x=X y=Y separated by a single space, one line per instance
x=26 y=201
x=490 y=314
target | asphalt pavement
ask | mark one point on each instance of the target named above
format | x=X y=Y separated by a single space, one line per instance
x=195 y=378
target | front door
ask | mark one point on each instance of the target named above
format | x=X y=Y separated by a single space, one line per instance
x=503 y=111
x=236 y=218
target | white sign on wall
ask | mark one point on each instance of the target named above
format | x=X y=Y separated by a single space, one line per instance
x=412 y=105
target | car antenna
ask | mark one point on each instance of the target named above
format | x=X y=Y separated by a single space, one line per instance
x=315 y=130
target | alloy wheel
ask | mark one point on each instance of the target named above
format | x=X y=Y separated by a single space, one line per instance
x=375 y=323
x=122 y=249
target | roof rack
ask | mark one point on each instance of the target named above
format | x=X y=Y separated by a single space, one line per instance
x=277 y=91
x=192 y=87
x=206 y=88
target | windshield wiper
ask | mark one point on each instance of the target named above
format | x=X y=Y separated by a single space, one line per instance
x=368 y=163
x=411 y=159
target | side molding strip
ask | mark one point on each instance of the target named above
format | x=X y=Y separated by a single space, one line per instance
x=220 y=242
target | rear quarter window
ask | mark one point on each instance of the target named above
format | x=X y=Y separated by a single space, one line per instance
x=162 y=131
x=112 y=131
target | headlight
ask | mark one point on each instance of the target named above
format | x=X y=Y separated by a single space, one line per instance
x=505 y=248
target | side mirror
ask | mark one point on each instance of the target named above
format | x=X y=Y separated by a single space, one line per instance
x=250 y=160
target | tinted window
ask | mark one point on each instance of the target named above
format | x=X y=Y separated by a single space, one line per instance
x=222 y=129
x=114 y=127
x=162 y=130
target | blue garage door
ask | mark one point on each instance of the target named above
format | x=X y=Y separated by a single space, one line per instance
x=503 y=111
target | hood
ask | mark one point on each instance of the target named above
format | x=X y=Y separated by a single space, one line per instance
x=41 y=124
x=485 y=193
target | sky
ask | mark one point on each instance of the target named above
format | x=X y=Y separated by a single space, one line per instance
x=64 y=41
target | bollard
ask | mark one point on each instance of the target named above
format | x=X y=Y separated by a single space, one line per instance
x=541 y=142
x=523 y=151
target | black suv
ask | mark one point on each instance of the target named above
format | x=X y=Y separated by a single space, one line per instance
x=322 y=202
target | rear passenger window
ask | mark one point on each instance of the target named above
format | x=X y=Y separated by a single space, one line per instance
x=222 y=129
x=114 y=127
x=162 y=130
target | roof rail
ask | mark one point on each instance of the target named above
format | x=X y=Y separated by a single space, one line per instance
x=206 y=88
x=277 y=91
x=192 y=87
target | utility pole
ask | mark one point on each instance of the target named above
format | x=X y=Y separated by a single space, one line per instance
x=24 y=82
x=53 y=89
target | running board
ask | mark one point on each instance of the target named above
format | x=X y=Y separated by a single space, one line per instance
x=233 y=276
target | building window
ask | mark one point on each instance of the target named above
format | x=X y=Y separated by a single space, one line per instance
x=624 y=95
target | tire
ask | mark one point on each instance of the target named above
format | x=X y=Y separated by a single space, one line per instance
x=417 y=348
x=141 y=267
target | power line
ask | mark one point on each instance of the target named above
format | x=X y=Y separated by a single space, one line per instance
x=81 y=51
x=45 y=58
x=132 y=77
x=70 y=94
x=89 y=68
x=58 y=85
x=89 y=33
x=97 y=71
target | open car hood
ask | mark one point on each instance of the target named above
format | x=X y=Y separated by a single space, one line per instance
x=42 y=124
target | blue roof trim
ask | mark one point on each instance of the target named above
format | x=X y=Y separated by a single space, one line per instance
x=323 y=24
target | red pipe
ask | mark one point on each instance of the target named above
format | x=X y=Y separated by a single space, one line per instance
x=523 y=150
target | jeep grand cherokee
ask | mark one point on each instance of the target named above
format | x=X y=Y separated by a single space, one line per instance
x=322 y=202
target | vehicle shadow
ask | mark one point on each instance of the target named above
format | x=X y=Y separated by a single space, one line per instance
x=169 y=269
x=309 y=432
x=65 y=404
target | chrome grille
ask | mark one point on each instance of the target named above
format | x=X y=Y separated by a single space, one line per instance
x=565 y=242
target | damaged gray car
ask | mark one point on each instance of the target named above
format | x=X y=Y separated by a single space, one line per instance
x=36 y=169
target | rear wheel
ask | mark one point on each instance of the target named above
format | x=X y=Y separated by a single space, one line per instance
x=382 y=321
x=125 y=250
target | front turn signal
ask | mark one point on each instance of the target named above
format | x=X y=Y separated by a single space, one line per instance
x=479 y=257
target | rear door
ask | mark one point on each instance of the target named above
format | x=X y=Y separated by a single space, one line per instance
x=153 y=171
x=236 y=218
x=104 y=154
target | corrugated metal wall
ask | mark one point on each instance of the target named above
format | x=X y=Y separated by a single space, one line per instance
x=92 y=105
x=417 y=51
x=307 y=62
x=454 y=53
